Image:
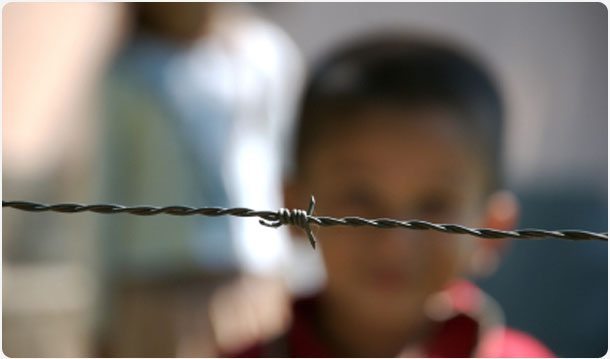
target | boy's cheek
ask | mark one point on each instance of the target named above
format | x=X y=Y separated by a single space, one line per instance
x=341 y=258
x=346 y=254
x=342 y=247
x=448 y=260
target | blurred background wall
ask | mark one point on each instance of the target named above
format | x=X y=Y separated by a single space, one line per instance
x=551 y=60
x=52 y=58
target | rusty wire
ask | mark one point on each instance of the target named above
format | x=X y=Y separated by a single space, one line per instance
x=303 y=219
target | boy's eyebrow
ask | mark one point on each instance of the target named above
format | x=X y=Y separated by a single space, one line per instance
x=354 y=165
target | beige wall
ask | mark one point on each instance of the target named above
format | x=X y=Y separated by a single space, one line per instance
x=52 y=55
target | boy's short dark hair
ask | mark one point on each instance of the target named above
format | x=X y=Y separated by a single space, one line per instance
x=400 y=72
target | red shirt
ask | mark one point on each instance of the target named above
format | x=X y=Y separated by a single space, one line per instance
x=463 y=333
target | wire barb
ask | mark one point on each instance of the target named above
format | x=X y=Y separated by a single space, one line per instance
x=296 y=217
x=302 y=219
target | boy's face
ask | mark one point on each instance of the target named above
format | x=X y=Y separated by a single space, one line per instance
x=385 y=165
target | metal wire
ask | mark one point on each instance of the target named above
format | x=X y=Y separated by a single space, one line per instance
x=303 y=219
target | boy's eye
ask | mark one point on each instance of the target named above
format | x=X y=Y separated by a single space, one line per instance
x=358 y=202
x=434 y=208
x=359 y=199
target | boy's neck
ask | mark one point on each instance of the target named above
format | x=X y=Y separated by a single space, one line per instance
x=350 y=332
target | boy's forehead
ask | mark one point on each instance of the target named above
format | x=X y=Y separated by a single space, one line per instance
x=391 y=129
x=397 y=143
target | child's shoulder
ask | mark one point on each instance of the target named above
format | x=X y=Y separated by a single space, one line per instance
x=300 y=340
x=494 y=339
x=511 y=343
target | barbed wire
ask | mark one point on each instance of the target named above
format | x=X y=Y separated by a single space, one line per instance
x=303 y=219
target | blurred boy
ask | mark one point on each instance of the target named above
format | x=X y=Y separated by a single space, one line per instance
x=406 y=129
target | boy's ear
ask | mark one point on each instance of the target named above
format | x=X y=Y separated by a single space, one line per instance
x=502 y=213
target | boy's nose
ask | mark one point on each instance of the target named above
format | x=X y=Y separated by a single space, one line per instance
x=398 y=242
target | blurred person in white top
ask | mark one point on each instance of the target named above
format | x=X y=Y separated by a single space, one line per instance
x=198 y=103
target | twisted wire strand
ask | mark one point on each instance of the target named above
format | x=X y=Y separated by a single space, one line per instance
x=303 y=219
